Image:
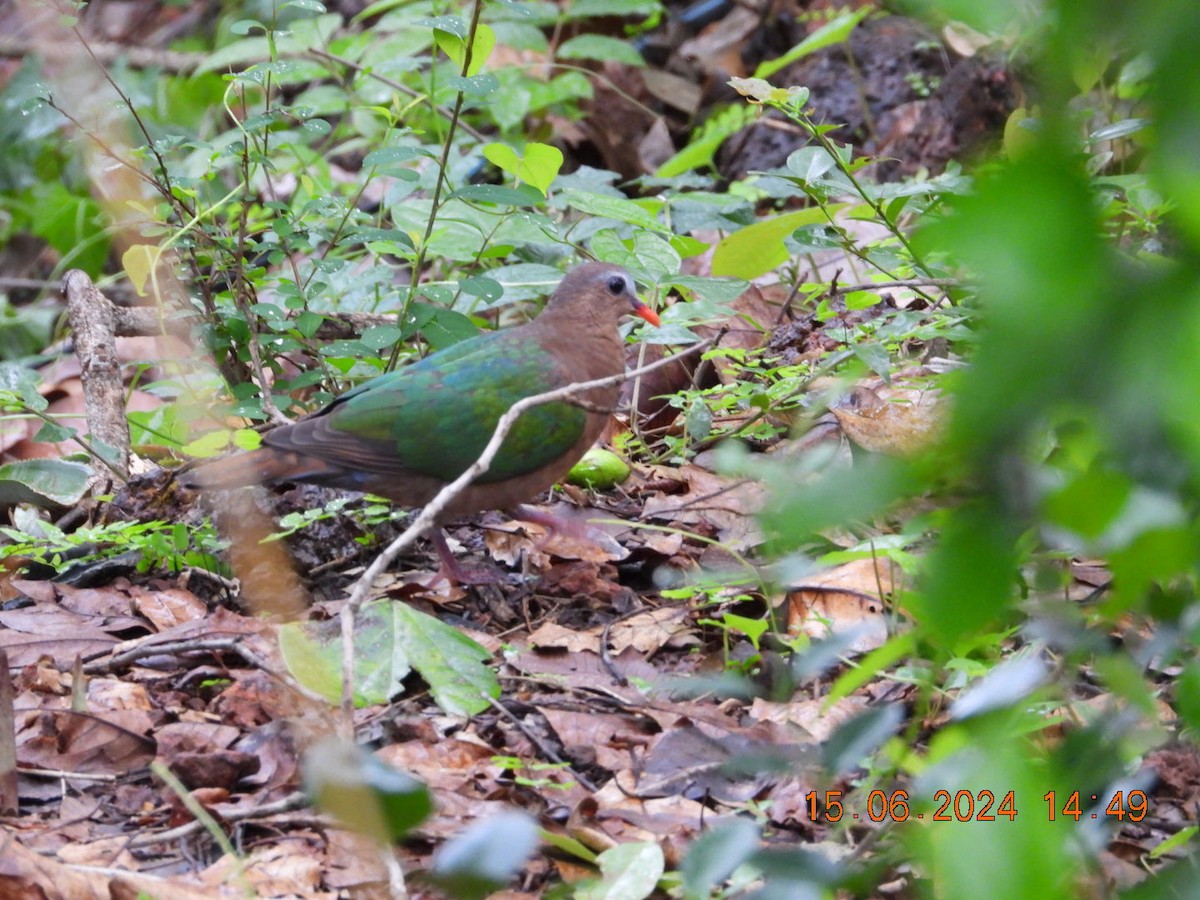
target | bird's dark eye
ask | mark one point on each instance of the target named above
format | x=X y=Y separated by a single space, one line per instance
x=616 y=285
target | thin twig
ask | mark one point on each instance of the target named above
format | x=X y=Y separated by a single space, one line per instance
x=546 y=750
x=205 y=818
x=398 y=86
x=903 y=283
x=149 y=648
x=63 y=775
x=297 y=800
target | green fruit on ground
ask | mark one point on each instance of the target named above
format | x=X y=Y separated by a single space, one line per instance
x=599 y=469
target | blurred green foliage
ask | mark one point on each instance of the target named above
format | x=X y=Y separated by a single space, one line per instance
x=1074 y=433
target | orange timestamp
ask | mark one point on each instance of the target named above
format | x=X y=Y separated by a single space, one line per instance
x=970 y=806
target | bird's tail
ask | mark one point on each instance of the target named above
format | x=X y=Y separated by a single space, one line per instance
x=262 y=466
x=238 y=470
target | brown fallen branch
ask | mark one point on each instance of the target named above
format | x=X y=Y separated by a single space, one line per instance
x=94 y=324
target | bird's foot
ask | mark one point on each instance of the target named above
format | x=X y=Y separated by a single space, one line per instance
x=569 y=537
x=553 y=525
x=455 y=573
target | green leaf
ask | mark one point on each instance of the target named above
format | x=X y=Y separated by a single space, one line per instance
x=714 y=290
x=139 y=262
x=1090 y=502
x=759 y=248
x=53 y=433
x=601 y=47
x=856 y=300
x=386 y=156
x=566 y=87
x=379 y=337
x=522 y=195
x=502 y=156
x=857 y=739
x=1008 y=684
x=833 y=32
x=588 y=8
x=568 y=845
x=698 y=419
x=245 y=26
x=449 y=661
x=976 y=558
x=305 y=34
x=214 y=443
x=1123 y=128
x=810 y=163
x=610 y=208
x=237 y=54
x=630 y=872
x=366 y=234
x=390 y=640
x=483 y=287
x=43 y=482
x=445 y=327
x=1153 y=552
x=312 y=651
x=308 y=322
x=644 y=253
x=704 y=144
x=1176 y=843
x=538 y=167
x=68 y=222
x=687 y=246
x=21 y=383
x=246 y=439
x=484 y=857
x=714 y=855
x=454 y=47
x=875 y=356
x=364 y=793
x=526 y=281
x=871 y=666
x=163 y=426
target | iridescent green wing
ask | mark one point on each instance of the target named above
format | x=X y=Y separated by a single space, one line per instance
x=435 y=417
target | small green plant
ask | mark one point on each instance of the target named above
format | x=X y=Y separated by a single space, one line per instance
x=730 y=625
x=160 y=545
x=369 y=513
x=517 y=765
x=922 y=86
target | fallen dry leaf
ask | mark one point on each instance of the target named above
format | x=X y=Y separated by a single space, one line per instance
x=649 y=631
x=167 y=607
x=898 y=422
x=842 y=599
x=810 y=714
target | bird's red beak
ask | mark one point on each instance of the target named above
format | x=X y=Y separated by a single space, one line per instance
x=645 y=312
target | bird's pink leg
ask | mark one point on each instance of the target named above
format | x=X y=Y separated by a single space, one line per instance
x=451 y=570
x=555 y=525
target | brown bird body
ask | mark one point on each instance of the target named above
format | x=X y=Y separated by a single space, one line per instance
x=405 y=435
